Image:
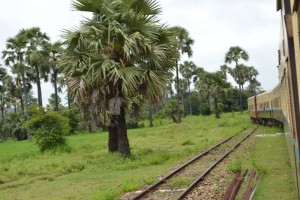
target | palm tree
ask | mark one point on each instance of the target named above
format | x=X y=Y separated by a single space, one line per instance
x=3 y=92
x=183 y=45
x=55 y=50
x=187 y=69
x=234 y=54
x=120 y=52
x=14 y=56
x=37 y=56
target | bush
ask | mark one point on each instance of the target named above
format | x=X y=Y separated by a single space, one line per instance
x=49 y=129
x=72 y=115
x=205 y=109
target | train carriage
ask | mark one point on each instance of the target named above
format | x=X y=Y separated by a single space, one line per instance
x=281 y=105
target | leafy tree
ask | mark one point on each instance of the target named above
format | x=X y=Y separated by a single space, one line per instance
x=171 y=109
x=120 y=52
x=231 y=100
x=235 y=54
x=54 y=101
x=195 y=103
x=216 y=87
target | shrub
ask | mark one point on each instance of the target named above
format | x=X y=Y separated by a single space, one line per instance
x=14 y=126
x=72 y=115
x=49 y=129
x=235 y=166
x=205 y=109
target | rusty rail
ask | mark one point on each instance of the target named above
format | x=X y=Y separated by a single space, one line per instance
x=250 y=187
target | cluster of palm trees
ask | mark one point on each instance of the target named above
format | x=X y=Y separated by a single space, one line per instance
x=213 y=86
x=113 y=64
x=240 y=72
x=29 y=57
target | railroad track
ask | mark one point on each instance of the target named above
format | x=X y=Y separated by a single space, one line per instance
x=194 y=171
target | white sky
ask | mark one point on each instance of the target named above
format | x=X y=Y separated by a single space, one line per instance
x=215 y=25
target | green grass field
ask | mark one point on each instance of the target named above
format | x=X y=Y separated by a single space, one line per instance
x=87 y=171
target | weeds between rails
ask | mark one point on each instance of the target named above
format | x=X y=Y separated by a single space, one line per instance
x=191 y=169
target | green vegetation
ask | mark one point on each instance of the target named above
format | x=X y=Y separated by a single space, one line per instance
x=268 y=155
x=180 y=182
x=87 y=171
x=272 y=159
x=235 y=166
x=49 y=128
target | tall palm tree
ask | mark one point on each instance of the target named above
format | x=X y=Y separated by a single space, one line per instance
x=37 y=56
x=187 y=69
x=14 y=56
x=55 y=51
x=184 y=46
x=3 y=92
x=235 y=54
x=120 y=52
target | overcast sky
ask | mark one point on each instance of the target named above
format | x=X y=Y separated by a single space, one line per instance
x=215 y=25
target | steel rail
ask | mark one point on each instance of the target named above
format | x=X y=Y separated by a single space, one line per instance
x=200 y=178
x=164 y=179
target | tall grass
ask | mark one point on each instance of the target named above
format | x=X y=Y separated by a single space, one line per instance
x=88 y=171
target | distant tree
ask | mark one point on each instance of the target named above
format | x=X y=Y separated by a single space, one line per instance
x=14 y=56
x=231 y=100
x=216 y=86
x=187 y=69
x=184 y=46
x=195 y=103
x=54 y=101
x=37 y=56
x=55 y=51
x=235 y=54
x=171 y=109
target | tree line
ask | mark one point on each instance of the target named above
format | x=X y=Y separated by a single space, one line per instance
x=115 y=66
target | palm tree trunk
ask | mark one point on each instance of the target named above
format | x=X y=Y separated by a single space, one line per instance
x=2 y=115
x=123 y=143
x=68 y=97
x=217 y=113
x=22 y=103
x=178 y=97
x=55 y=91
x=112 y=136
x=239 y=83
x=190 y=102
x=94 y=120
x=38 y=83
x=182 y=103
x=24 y=94
x=150 y=116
